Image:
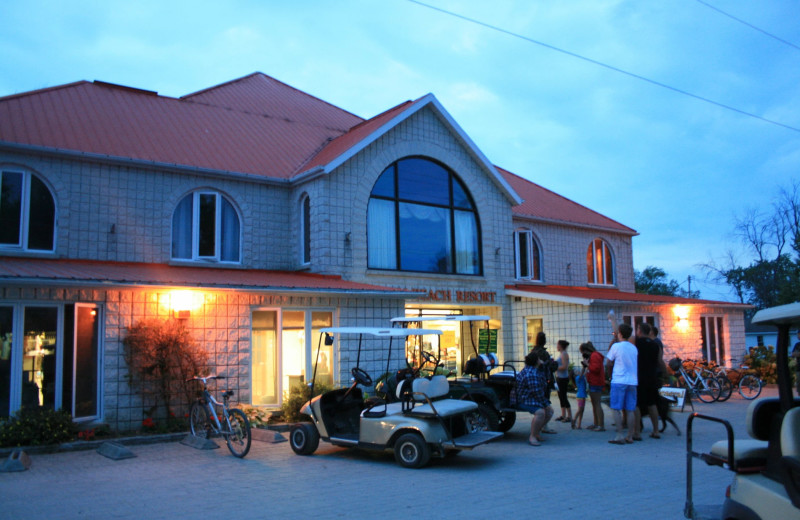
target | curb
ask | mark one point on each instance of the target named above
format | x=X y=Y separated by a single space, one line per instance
x=93 y=445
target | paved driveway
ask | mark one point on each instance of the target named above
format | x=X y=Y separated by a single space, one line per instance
x=574 y=475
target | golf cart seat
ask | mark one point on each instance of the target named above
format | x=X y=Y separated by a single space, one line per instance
x=749 y=455
x=425 y=390
x=790 y=451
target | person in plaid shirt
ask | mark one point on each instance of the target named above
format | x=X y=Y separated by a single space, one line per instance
x=530 y=394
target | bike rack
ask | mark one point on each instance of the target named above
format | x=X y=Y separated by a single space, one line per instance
x=689 y=510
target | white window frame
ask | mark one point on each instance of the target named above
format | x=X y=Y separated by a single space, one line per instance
x=643 y=315
x=24 y=223
x=195 y=228
x=305 y=246
x=530 y=240
x=720 y=331
x=605 y=250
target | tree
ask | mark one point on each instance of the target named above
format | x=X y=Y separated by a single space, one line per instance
x=772 y=237
x=653 y=280
x=161 y=356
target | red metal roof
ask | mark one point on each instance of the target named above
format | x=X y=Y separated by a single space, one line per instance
x=260 y=126
x=541 y=203
x=613 y=295
x=140 y=274
x=252 y=125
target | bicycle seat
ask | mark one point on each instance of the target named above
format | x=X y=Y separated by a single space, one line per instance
x=227 y=393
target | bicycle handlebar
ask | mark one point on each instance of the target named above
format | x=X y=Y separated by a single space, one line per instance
x=204 y=379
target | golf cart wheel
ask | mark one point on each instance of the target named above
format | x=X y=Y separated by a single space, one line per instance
x=304 y=438
x=492 y=417
x=507 y=420
x=411 y=451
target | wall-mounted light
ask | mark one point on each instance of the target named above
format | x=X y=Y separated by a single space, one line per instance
x=681 y=313
x=182 y=303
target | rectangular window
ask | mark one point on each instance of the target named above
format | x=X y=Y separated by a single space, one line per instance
x=635 y=319
x=523 y=254
x=533 y=326
x=207 y=220
x=264 y=368
x=11 y=208
x=306 y=230
x=39 y=356
x=381 y=234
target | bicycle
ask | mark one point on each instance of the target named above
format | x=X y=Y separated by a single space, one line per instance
x=718 y=372
x=233 y=424
x=704 y=388
x=749 y=385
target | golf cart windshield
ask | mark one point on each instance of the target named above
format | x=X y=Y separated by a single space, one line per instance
x=454 y=348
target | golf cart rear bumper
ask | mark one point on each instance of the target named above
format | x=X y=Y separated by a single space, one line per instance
x=471 y=440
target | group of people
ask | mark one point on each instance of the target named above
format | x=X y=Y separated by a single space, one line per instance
x=636 y=366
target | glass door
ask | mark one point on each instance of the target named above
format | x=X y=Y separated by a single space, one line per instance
x=713 y=343
x=6 y=360
x=265 y=358
x=40 y=331
x=81 y=361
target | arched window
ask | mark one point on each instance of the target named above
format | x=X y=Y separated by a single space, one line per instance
x=27 y=212
x=205 y=226
x=422 y=218
x=600 y=263
x=528 y=256
x=305 y=230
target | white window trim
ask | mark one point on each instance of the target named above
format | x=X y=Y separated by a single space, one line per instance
x=604 y=282
x=24 y=224
x=196 y=257
x=303 y=262
x=530 y=239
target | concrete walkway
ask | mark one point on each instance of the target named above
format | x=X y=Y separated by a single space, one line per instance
x=575 y=474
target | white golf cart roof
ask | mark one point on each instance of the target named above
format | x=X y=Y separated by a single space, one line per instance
x=380 y=332
x=781 y=314
x=449 y=317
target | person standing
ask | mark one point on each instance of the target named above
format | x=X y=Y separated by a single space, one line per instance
x=596 y=377
x=562 y=381
x=530 y=394
x=662 y=365
x=622 y=359
x=648 y=380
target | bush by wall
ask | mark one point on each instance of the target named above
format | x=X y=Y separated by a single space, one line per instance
x=36 y=426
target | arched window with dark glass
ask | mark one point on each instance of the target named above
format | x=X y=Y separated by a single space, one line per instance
x=421 y=218
x=305 y=230
x=600 y=263
x=528 y=265
x=27 y=212
x=205 y=226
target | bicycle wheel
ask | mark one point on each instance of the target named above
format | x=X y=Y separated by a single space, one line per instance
x=198 y=420
x=238 y=438
x=725 y=388
x=708 y=390
x=749 y=386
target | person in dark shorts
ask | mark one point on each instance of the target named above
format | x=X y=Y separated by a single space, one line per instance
x=647 y=371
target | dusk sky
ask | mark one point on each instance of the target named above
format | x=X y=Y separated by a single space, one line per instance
x=675 y=168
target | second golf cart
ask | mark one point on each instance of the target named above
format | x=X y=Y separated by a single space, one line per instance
x=420 y=425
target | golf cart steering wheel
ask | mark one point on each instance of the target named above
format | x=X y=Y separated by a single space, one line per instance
x=429 y=358
x=361 y=377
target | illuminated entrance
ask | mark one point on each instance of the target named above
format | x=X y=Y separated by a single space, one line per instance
x=283 y=341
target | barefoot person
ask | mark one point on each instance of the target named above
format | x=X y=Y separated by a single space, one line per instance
x=622 y=358
x=530 y=395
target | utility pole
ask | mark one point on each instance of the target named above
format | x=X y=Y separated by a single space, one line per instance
x=690 y=284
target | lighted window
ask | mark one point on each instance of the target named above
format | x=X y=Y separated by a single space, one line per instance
x=27 y=212
x=205 y=226
x=528 y=256
x=422 y=218
x=305 y=230
x=600 y=263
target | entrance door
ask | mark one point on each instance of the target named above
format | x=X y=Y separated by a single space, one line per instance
x=39 y=356
x=81 y=361
x=265 y=358
x=713 y=342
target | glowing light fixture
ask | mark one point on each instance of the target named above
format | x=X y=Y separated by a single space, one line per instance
x=182 y=304
x=682 y=314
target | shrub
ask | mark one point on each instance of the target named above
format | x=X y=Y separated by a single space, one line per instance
x=161 y=355
x=296 y=397
x=763 y=363
x=37 y=426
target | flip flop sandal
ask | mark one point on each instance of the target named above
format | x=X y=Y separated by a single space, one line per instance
x=534 y=443
x=637 y=439
x=548 y=431
x=615 y=441
x=592 y=427
x=655 y=436
x=631 y=442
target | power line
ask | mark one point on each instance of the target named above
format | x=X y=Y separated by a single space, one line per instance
x=720 y=11
x=605 y=65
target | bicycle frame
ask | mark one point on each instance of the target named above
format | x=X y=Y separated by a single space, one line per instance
x=210 y=403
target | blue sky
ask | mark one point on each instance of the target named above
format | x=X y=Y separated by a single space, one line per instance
x=676 y=169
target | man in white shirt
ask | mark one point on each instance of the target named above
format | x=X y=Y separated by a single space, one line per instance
x=622 y=358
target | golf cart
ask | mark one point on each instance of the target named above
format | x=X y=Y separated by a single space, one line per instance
x=491 y=391
x=415 y=427
x=766 y=480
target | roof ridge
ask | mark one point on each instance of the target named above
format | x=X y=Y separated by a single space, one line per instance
x=257 y=73
x=563 y=197
x=45 y=89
